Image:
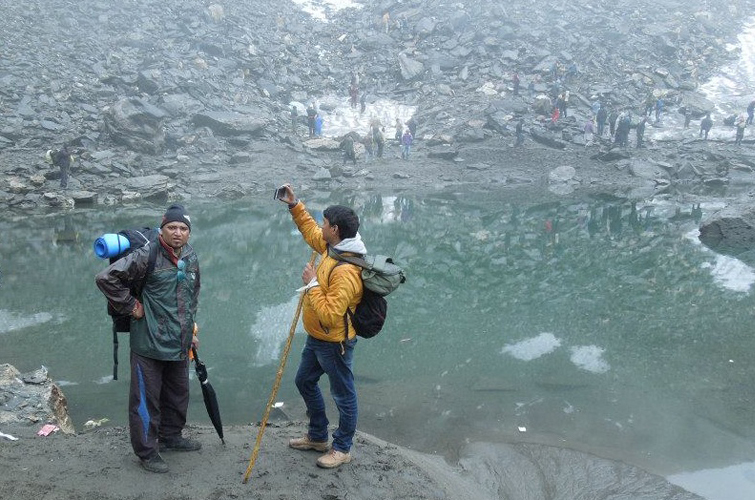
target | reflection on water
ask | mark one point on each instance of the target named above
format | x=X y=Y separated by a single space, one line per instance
x=600 y=325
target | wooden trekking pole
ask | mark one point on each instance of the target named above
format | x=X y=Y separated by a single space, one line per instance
x=278 y=377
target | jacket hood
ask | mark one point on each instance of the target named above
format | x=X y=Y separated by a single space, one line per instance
x=352 y=245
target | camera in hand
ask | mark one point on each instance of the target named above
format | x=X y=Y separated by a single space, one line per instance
x=280 y=193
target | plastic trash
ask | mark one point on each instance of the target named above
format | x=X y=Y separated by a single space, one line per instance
x=91 y=424
x=8 y=437
x=47 y=429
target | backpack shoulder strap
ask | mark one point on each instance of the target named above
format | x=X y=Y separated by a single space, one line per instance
x=357 y=261
x=153 y=249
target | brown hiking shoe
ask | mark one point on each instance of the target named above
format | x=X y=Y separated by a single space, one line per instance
x=304 y=443
x=333 y=459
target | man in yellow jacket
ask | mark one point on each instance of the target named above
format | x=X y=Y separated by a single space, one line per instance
x=331 y=288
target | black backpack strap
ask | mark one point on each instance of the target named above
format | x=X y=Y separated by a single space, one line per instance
x=115 y=352
x=348 y=314
x=153 y=248
x=138 y=289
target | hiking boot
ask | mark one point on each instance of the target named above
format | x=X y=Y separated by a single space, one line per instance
x=180 y=444
x=304 y=443
x=155 y=464
x=333 y=459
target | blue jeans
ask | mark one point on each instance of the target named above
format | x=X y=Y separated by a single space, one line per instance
x=320 y=357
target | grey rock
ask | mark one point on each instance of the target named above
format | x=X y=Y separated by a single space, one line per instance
x=410 y=69
x=136 y=124
x=230 y=123
x=323 y=174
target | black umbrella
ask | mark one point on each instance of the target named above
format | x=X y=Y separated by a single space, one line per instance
x=208 y=393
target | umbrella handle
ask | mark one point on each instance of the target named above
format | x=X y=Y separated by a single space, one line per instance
x=278 y=376
x=194 y=352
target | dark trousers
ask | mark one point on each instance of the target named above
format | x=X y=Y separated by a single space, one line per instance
x=158 y=402
x=63 y=176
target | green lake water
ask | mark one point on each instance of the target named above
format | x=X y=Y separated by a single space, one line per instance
x=603 y=326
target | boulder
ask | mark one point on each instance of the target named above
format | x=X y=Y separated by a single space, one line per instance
x=730 y=231
x=150 y=187
x=136 y=124
x=547 y=140
x=410 y=69
x=32 y=399
x=224 y=123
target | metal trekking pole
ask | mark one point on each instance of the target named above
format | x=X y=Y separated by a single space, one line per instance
x=278 y=377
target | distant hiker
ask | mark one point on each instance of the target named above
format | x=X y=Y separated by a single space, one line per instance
x=750 y=112
x=531 y=87
x=658 y=109
x=640 y=131
x=163 y=326
x=601 y=120
x=560 y=105
x=624 y=123
x=318 y=125
x=565 y=104
x=515 y=79
x=348 y=150
x=687 y=117
x=555 y=115
x=412 y=124
x=705 y=126
x=331 y=288
x=294 y=118
x=399 y=130
x=519 y=132
x=589 y=130
x=311 y=115
x=595 y=108
x=386 y=21
x=649 y=104
x=406 y=143
x=378 y=138
x=612 y=117
x=62 y=159
x=741 y=124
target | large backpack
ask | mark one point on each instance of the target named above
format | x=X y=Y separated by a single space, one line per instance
x=380 y=276
x=137 y=238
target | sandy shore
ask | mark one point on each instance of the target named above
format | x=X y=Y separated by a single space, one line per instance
x=99 y=465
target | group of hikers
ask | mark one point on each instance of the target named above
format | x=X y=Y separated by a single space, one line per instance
x=314 y=121
x=555 y=104
x=156 y=288
x=374 y=140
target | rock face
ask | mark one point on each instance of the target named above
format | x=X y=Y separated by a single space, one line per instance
x=33 y=399
x=197 y=84
x=732 y=232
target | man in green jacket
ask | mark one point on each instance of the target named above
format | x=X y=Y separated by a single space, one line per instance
x=162 y=332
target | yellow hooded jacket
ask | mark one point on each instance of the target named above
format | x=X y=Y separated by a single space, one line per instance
x=339 y=287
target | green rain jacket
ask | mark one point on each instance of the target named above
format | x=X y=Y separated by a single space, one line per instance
x=170 y=301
